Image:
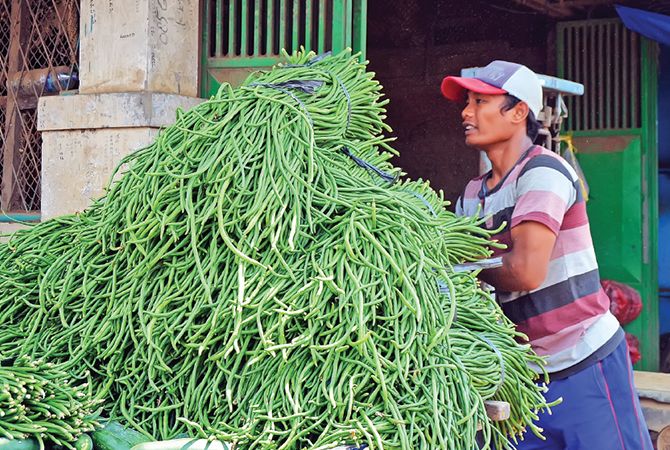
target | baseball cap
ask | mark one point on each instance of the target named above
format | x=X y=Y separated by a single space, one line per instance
x=499 y=77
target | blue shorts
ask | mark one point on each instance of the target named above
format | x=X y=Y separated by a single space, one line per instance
x=600 y=410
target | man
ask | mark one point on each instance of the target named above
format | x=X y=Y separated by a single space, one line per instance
x=548 y=284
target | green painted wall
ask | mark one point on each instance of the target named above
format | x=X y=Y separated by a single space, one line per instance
x=621 y=167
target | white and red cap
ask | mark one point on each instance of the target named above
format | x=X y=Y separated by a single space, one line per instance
x=499 y=77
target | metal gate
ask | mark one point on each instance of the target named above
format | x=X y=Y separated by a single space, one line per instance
x=38 y=56
x=243 y=35
x=605 y=57
x=614 y=130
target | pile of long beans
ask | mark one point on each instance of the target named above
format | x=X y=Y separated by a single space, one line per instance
x=259 y=274
x=38 y=400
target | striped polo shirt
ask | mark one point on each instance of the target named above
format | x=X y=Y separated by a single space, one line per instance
x=567 y=318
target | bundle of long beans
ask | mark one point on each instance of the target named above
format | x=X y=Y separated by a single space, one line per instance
x=259 y=274
x=38 y=400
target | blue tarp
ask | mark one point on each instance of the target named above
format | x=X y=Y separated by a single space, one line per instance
x=649 y=24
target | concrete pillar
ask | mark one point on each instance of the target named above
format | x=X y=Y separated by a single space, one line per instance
x=138 y=64
x=139 y=45
x=85 y=136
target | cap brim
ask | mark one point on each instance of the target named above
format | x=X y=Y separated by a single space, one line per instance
x=454 y=88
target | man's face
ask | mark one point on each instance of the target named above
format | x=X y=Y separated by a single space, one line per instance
x=483 y=122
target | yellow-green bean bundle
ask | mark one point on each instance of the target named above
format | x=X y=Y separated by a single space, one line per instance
x=37 y=400
x=259 y=274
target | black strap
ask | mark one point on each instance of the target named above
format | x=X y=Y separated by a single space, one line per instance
x=366 y=165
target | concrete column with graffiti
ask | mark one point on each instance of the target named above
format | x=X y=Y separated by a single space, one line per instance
x=138 y=64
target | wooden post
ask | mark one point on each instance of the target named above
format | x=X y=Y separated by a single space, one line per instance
x=18 y=36
x=497 y=410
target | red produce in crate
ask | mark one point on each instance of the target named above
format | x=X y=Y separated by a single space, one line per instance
x=625 y=302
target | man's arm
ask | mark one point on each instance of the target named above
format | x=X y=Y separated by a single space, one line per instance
x=525 y=266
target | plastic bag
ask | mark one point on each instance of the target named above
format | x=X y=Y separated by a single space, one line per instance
x=625 y=302
x=633 y=348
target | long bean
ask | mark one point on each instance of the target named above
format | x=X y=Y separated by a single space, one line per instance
x=245 y=278
x=38 y=400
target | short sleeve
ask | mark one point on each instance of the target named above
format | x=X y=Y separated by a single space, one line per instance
x=545 y=191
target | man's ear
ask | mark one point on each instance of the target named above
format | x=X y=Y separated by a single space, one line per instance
x=520 y=112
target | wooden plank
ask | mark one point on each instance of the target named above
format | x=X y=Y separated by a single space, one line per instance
x=497 y=410
x=652 y=380
x=654 y=391
x=653 y=385
x=19 y=28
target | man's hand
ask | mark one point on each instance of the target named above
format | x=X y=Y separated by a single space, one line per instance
x=525 y=266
